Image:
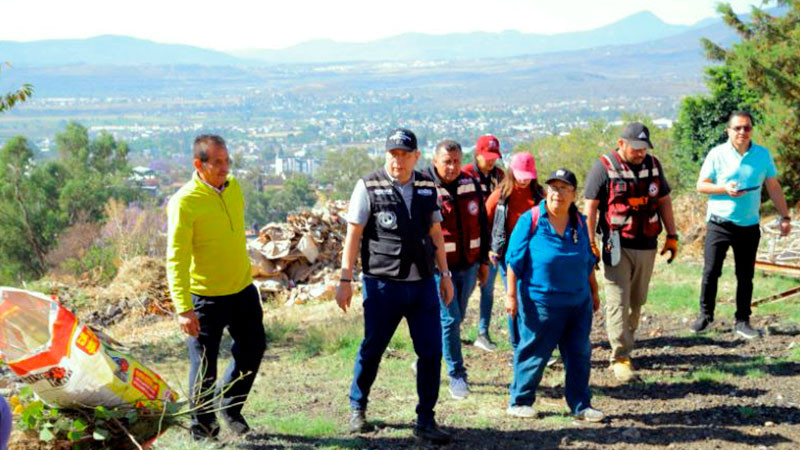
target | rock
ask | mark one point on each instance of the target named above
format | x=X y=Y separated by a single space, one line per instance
x=565 y=441
x=632 y=434
x=769 y=424
x=792 y=345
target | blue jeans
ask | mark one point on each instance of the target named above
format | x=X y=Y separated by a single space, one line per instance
x=542 y=328
x=241 y=314
x=386 y=302
x=513 y=322
x=452 y=316
x=487 y=301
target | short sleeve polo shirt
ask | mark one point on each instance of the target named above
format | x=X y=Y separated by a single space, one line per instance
x=724 y=164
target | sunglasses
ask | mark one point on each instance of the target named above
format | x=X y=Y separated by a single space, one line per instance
x=745 y=128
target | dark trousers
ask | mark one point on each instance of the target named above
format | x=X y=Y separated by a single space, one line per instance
x=241 y=314
x=386 y=303
x=744 y=240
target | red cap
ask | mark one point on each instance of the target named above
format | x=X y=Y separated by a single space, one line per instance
x=488 y=146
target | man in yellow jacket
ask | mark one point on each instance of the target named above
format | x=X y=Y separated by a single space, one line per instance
x=211 y=286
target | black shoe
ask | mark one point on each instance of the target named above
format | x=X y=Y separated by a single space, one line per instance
x=743 y=329
x=235 y=422
x=202 y=432
x=358 y=421
x=701 y=324
x=431 y=434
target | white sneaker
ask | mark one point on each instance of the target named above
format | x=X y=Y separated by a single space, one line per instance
x=458 y=388
x=484 y=342
x=591 y=415
x=521 y=411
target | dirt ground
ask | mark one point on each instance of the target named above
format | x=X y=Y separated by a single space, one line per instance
x=711 y=391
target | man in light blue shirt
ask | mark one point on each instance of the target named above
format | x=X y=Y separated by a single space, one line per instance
x=732 y=175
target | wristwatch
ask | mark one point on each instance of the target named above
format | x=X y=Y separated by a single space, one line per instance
x=446 y=273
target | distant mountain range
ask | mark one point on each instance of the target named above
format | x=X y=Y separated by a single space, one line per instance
x=634 y=29
x=121 y=50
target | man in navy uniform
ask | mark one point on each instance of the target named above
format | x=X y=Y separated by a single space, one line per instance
x=395 y=218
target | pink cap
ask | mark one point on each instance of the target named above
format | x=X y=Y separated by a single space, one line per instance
x=523 y=165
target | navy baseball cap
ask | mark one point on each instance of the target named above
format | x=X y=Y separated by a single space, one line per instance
x=401 y=138
x=564 y=175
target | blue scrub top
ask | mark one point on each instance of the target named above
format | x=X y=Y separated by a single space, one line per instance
x=724 y=164
x=551 y=270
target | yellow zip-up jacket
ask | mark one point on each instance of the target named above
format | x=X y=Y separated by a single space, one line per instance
x=206 y=248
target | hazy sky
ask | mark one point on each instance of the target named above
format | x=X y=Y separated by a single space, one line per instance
x=238 y=24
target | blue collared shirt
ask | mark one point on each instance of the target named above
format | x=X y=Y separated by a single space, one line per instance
x=724 y=164
x=551 y=270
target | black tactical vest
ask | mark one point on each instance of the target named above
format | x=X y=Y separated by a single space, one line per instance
x=394 y=238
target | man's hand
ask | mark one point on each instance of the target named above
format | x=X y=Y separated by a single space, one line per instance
x=595 y=301
x=511 y=304
x=344 y=292
x=731 y=189
x=483 y=274
x=786 y=227
x=446 y=290
x=671 y=246
x=189 y=323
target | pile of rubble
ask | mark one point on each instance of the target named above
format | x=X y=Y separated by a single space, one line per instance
x=301 y=257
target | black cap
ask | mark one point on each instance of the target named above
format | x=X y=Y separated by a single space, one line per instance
x=637 y=135
x=564 y=175
x=401 y=138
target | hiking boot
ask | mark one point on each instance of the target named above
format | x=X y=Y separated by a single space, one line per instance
x=484 y=342
x=523 y=411
x=458 y=388
x=235 y=422
x=623 y=371
x=431 y=433
x=590 y=415
x=357 y=423
x=202 y=432
x=744 y=330
x=701 y=324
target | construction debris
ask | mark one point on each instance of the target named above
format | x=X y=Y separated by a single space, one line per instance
x=300 y=257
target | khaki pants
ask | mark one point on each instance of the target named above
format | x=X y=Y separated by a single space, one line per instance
x=626 y=292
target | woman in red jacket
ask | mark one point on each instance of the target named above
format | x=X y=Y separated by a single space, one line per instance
x=517 y=193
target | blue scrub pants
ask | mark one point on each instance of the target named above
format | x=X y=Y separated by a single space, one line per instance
x=541 y=329
x=386 y=303
x=452 y=316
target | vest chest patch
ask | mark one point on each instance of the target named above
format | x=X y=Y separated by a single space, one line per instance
x=652 y=190
x=387 y=220
x=382 y=191
x=473 y=208
x=425 y=191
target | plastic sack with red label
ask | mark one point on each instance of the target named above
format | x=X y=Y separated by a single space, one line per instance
x=66 y=363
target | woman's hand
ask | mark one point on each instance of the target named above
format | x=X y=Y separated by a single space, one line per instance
x=511 y=304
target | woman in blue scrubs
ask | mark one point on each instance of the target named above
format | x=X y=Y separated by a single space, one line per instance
x=552 y=289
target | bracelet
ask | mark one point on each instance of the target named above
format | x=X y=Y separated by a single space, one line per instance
x=672 y=236
x=446 y=273
x=344 y=280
